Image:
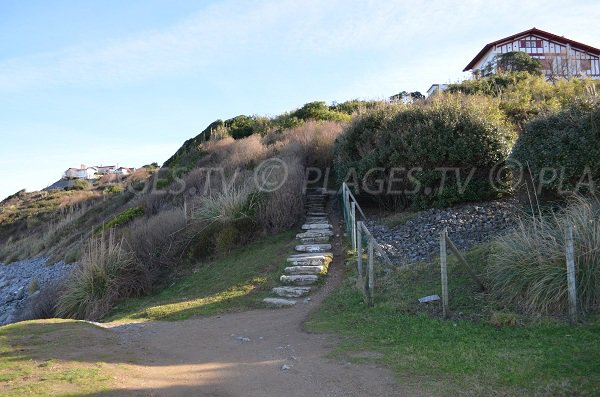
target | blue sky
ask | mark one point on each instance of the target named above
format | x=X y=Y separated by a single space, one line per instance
x=128 y=81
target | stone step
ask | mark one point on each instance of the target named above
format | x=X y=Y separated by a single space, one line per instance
x=291 y=292
x=305 y=279
x=313 y=247
x=311 y=255
x=313 y=213
x=304 y=269
x=314 y=240
x=315 y=233
x=312 y=226
x=306 y=261
x=318 y=221
x=279 y=302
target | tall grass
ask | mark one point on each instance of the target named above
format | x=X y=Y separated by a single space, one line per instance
x=107 y=273
x=528 y=267
x=231 y=204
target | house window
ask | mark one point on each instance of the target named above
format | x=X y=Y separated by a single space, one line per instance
x=586 y=64
x=547 y=63
x=531 y=43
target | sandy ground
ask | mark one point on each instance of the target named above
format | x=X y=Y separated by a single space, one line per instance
x=256 y=353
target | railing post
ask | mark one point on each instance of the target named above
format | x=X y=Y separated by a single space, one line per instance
x=353 y=219
x=360 y=281
x=444 y=272
x=371 y=272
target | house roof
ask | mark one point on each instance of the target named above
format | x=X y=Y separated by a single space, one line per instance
x=538 y=32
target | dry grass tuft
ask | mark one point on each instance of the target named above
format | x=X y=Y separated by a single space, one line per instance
x=528 y=268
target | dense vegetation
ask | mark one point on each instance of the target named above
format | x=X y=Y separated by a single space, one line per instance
x=468 y=133
x=560 y=149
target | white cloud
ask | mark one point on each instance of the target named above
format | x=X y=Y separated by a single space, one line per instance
x=234 y=30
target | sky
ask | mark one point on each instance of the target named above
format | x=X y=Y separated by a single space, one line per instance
x=126 y=82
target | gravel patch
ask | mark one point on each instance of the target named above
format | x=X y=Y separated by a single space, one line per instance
x=468 y=225
x=16 y=278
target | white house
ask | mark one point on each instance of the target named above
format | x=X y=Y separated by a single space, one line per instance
x=435 y=88
x=106 y=169
x=81 y=173
x=560 y=57
x=124 y=170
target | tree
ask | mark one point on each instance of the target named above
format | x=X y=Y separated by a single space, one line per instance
x=517 y=61
x=405 y=96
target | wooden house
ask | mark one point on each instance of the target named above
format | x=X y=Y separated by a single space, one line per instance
x=560 y=57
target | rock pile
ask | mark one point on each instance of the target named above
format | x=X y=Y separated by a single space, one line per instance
x=21 y=281
x=468 y=225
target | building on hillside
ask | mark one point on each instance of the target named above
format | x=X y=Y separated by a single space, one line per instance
x=106 y=169
x=435 y=88
x=81 y=173
x=560 y=57
x=124 y=171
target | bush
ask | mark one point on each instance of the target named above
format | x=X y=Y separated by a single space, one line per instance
x=159 y=241
x=126 y=216
x=107 y=273
x=281 y=209
x=523 y=96
x=229 y=205
x=43 y=305
x=559 y=149
x=319 y=111
x=452 y=130
x=114 y=189
x=78 y=184
x=527 y=268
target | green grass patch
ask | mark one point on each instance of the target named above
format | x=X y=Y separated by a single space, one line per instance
x=235 y=282
x=466 y=355
x=44 y=358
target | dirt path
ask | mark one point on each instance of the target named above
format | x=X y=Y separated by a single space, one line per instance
x=257 y=353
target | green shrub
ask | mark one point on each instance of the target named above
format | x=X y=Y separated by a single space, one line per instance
x=527 y=268
x=107 y=273
x=124 y=217
x=319 y=111
x=78 y=184
x=523 y=96
x=561 y=149
x=452 y=130
x=114 y=189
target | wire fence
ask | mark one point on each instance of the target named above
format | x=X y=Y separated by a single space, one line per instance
x=369 y=254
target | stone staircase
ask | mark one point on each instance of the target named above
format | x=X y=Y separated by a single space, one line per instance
x=312 y=257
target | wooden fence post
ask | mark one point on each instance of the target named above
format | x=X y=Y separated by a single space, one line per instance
x=353 y=220
x=360 y=281
x=444 y=272
x=371 y=272
x=570 y=255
